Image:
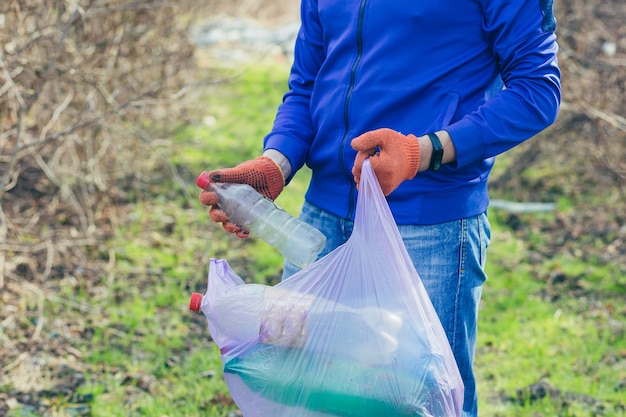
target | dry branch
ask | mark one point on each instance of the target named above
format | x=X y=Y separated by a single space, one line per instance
x=78 y=80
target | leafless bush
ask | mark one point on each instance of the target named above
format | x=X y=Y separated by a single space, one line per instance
x=587 y=145
x=582 y=156
x=85 y=87
x=594 y=56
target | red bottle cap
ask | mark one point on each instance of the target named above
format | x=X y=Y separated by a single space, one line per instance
x=195 y=301
x=203 y=180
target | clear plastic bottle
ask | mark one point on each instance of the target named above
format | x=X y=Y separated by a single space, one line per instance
x=297 y=241
x=275 y=316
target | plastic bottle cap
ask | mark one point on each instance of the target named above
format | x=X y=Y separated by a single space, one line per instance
x=203 y=180
x=195 y=301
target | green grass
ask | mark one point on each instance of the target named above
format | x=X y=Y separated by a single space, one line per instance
x=569 y=331
x=152 y=357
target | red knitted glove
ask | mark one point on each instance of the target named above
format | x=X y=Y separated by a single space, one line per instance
x=394 y=157
x=261 y=173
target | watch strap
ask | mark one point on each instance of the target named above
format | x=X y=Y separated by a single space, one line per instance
x=437 y=155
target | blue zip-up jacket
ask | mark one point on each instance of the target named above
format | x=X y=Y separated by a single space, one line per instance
x=417 y=67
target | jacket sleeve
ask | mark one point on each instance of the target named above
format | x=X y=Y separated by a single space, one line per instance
x=293 y=129
x=521 y=35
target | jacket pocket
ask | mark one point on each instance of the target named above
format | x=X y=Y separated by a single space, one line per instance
x=448 y=113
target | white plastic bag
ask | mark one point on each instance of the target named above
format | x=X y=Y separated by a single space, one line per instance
x=354 y=334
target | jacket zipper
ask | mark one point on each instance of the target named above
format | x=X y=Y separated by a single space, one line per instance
x=346 y=106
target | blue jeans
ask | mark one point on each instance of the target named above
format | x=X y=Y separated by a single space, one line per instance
x=450 y=259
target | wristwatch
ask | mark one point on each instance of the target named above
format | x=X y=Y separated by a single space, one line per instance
x=437 y=156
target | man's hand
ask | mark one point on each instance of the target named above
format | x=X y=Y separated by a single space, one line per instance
x=261 y=173
x=394 y=157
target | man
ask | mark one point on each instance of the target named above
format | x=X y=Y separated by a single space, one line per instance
x=417 y=87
